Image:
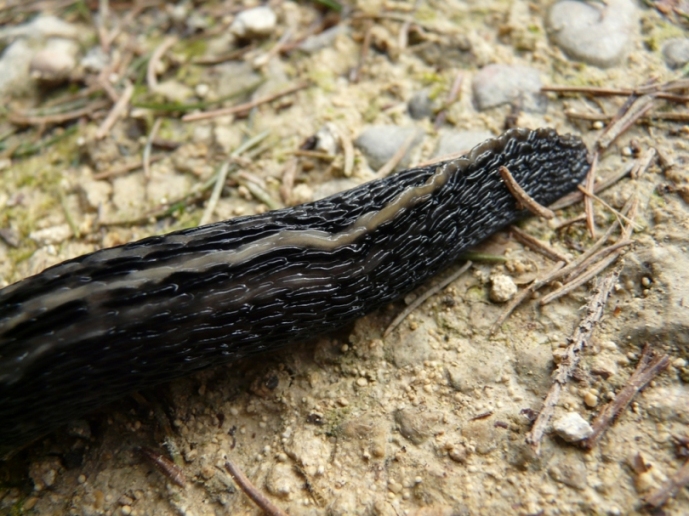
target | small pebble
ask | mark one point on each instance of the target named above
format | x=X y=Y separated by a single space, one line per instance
x=201 y=90
x=498 y=84
x=502 y=288
x=458 y=454
x=324 y=39
x=420 y=105
x=52 y=235
x=676 y=52
x=55 y=62
x=591 y=399
x=256 y=22
x=327 y=139
x=572 y=427
x=595 y=33
x=379 y=143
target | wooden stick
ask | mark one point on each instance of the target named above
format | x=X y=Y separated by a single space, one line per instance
x=251 y=491
x=149 y=146
x=615 y=212
x=614 y=251
x=158 y=53
x=124 y=168
x=578 y=341
x=538 y=246
x=386 y=169
x=246 y=106
x=215 y=194
x=659 y=497
x=588 y=202
x=165 y=466
x=348 y=151
x=648 y=368
x=58 y=118
x=605 y=183
x=605 y=92
x=420 y=300
x=638 y=108
x=522 y=197
x=116 y=112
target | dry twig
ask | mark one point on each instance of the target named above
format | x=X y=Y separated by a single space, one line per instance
x=522 y=197
x=538 y=246
x=355 y=73
x=215 y=194
x=288 y=176
x=648 y=368
x=116 y=112
x=659 y=497
x=386 y=169
x=58 y=118
x=158 y=53
x=576 y=196
x=118 y=171
x=165 y=466
x=607 y=257
x=252 y=492
x=149 y=145
x=577 y=342
x=423 y=297
x=588 y=202
x=615 y=92
x=246 y=106
x=451 y=97
x=629 y=114
x=348 y=151
x=641 y=164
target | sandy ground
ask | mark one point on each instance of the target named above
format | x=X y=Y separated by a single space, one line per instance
x=429 y=420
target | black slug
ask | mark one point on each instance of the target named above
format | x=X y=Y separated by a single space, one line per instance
x=92 y=329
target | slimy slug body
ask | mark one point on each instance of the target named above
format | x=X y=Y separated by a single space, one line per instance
x=92 y=329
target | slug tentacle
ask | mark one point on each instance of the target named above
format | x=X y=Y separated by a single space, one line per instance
x=89 y=330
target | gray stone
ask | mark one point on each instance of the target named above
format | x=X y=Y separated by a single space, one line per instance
x=572 y=427
x=453 y=142
x=256 y=22
x=56 y=61
x=595 y=33
x=14 y=68
x=499 y=84
x=42 y=27
x=317 y=42
x=420 y=105
x=380 y=142
x=676 y=52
